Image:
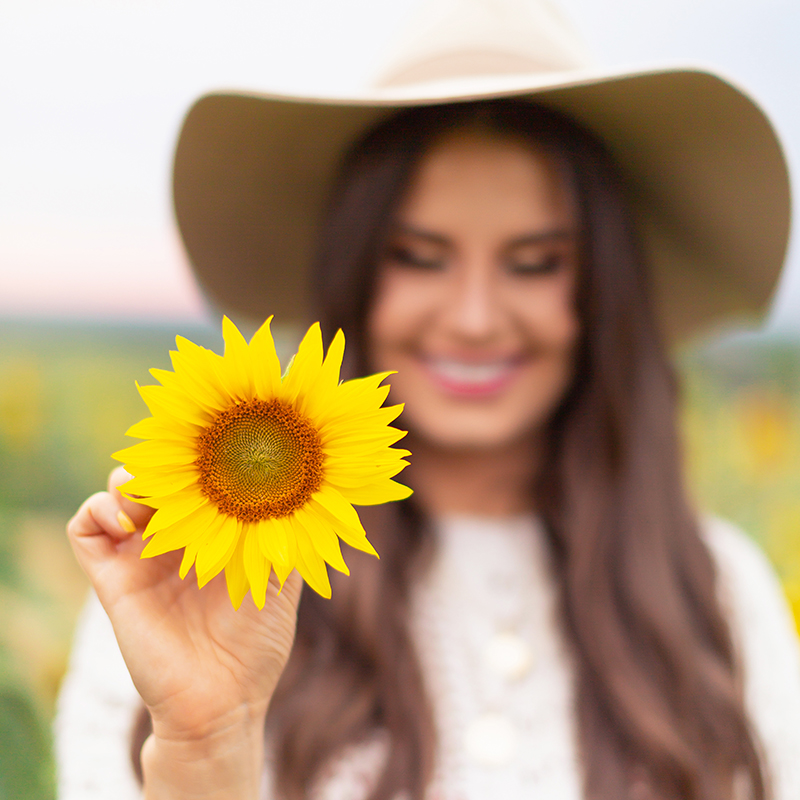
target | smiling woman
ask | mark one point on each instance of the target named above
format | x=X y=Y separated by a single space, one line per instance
x=549 y=615
x=545 y=387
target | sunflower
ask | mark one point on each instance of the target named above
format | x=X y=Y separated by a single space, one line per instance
x=252 y=472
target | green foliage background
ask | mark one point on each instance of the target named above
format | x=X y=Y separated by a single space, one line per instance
x=67 y=395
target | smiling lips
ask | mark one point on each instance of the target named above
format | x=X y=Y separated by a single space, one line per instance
x=472 y=379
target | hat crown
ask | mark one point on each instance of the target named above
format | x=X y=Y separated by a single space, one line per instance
x=449 y=39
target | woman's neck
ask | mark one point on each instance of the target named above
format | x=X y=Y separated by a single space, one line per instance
x=494 y=482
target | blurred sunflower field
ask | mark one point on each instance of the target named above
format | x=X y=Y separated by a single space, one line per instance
x=741 y=424
x=67 y=396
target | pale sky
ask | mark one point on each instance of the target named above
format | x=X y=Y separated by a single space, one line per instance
x=92 y=93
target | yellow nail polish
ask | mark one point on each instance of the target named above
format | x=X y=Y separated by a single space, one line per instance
x=126 y=523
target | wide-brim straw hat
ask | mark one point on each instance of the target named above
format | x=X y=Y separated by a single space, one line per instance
x=707 y=177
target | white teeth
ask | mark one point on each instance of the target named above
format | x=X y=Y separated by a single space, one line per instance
x=477 y=374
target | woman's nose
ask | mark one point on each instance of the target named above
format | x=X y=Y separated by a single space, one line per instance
x=473 y=307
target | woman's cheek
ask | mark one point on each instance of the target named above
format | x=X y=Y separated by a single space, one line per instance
x=549 y=317
x=401 y=315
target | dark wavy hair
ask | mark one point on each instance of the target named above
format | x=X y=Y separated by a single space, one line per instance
x=659 y=706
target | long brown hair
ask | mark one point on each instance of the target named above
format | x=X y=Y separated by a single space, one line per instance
x=659 y=704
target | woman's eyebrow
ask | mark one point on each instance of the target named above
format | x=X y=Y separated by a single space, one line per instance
x=543 y=237
x=419 y=233
x=536 y=237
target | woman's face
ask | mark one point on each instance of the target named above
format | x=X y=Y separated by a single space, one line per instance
x=475 y=296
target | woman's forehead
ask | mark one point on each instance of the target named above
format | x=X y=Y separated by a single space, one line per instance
x=471 y=178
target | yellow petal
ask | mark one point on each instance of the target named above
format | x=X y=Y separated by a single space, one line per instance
x=195 y=366
x=356 y=424
x=195 y=354
x=345 y=522
x=310 y=564
x=186 y=389
x=279 y=545
x=237 y=361
x=356 y=476
x=160 y=481
x=370 y=459
x=235 y=575
x=173 y=508
x=164 y=403
x=367 y=383
x=189 y=556
x=216 y=552
x=365 y=391
x=266 y=366
x=319 y=395
x=305 y=366
x=227 y=379
x=256 y=567
x=332 y=364
x=355 y=541
x=184 y=386
x=348 y=410
x=314 y=401
x=332 y=500
x=158 y=453
x=189 y=529
x=385 y=492
x=191 y=550
x=322 y=535
x=175 y=430
x=366 y=438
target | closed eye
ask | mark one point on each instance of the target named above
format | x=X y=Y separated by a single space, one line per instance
x=546 y=265
x=406 y=257
x=543 y=253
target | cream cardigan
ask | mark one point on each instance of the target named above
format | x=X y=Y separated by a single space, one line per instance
x=485 y=626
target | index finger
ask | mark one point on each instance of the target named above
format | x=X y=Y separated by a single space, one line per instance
x=140 y=513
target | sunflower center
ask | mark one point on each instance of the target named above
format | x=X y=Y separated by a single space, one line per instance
x=259 y=460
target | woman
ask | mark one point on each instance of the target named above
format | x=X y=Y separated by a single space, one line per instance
x=548 y=615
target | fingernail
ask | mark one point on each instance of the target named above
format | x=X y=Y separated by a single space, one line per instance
x=125 y=522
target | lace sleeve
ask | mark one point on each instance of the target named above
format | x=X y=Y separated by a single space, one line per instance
x=766 y=638
x=96 y=709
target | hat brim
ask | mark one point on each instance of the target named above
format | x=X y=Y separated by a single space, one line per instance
x=707 y=177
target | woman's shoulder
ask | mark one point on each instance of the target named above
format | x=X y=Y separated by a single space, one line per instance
x=766 y=640
x=751 y=595
x=734 y=549
x=748 y=585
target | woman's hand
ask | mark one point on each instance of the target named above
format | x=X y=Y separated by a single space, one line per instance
x=205 y=671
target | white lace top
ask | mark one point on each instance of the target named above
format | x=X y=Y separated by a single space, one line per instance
x=497 y=670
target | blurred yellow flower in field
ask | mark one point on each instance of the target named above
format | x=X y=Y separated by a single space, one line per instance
x=21 y=413
x=766 y=424
x=251 y=472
